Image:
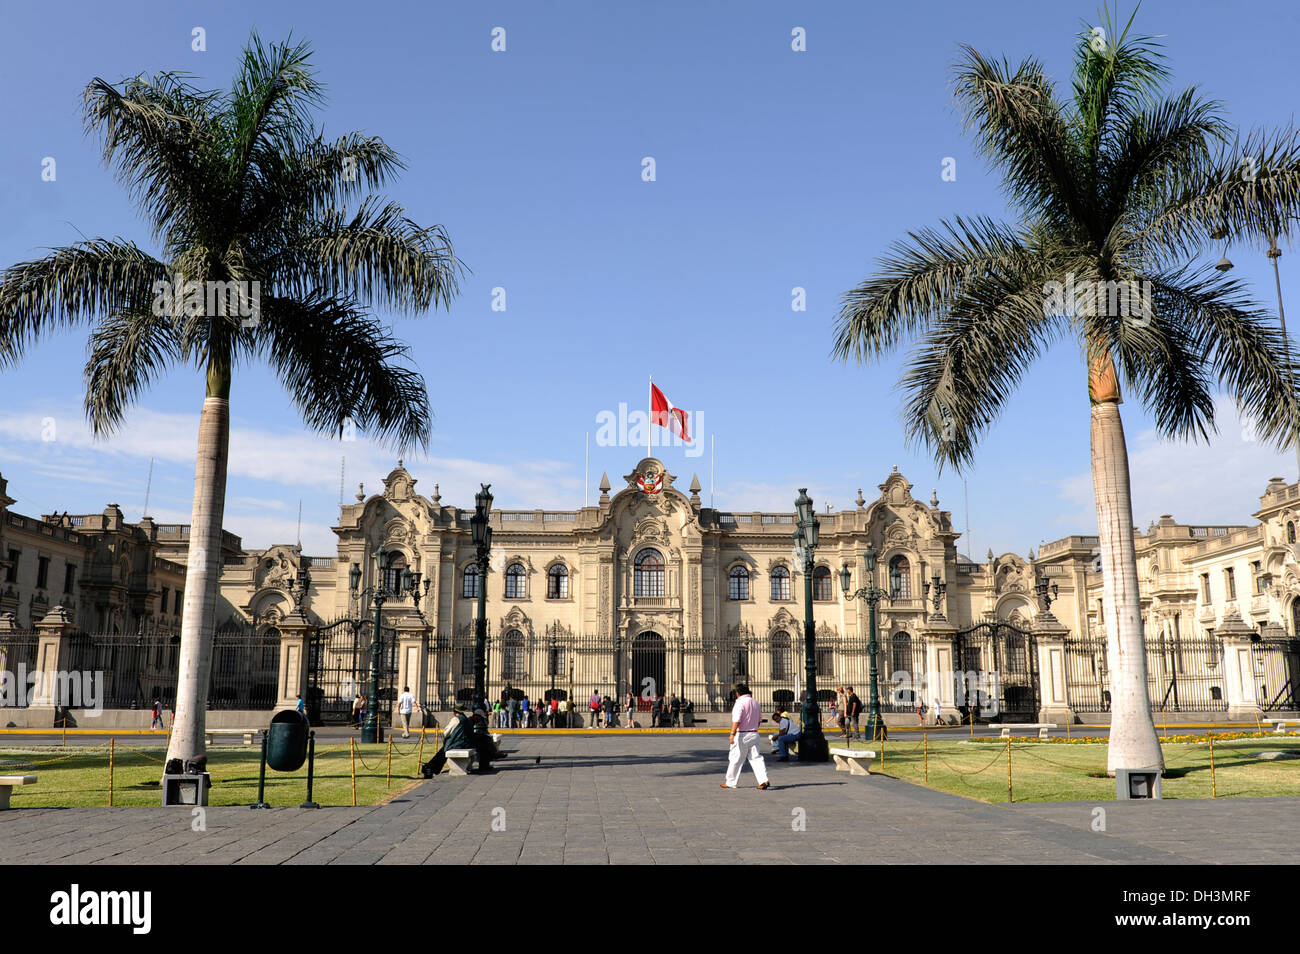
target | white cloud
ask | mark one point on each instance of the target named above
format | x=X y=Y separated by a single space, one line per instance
x=1219 y=482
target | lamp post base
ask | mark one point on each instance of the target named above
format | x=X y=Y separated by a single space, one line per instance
x=370 y=731
x=813 y=746
x=876 y=728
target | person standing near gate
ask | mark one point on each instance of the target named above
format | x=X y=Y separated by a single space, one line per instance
x=157 y=714
x=593 y=704
x=406 y=704
x=745 y=717
x=629 y=711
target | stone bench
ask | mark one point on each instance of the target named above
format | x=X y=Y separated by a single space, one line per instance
x=247 y=734
x=461 y=761
x=1042 y=728
x=853 y=761
x=1279 y=725
x=7 y=783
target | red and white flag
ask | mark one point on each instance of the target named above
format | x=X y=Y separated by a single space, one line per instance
x=664 y=414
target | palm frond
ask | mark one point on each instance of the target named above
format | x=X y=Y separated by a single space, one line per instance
x=339 y=363
x=1237 y=343
x=971 y=362
x=72 y=286
x=1018 y=124
x=918 y=280
x=379 y=256
x=128 y=351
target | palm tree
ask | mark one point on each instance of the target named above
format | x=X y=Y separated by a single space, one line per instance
x=1116 y=184
x=238 y=187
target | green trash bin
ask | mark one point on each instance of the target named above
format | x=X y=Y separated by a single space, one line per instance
x=286 y=742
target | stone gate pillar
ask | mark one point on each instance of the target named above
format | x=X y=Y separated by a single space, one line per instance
x=413 y=667
x=52 y=653
x=292 y=682
x=940 y=668
x=1239 y=669
x=1054 y=704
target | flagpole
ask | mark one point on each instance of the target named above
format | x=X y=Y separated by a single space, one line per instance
x=649 y=414
x=713 y=453
x=586 y=470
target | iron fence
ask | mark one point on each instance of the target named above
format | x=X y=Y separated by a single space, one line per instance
x=553 y=663
x=1184 y=674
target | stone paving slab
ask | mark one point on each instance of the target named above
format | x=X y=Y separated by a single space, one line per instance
x=656 y=800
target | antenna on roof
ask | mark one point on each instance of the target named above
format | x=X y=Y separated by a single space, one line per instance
x=300 y=524
x=343 y=469
x=148 y=486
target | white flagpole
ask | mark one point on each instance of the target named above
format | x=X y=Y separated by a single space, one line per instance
x=649 y=414
x=586 y=470
x=713 y=453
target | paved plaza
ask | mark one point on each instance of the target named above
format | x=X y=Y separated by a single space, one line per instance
x=656 y=800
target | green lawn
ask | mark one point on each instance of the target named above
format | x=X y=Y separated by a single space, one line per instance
x=1050 y=772
x=77 y=777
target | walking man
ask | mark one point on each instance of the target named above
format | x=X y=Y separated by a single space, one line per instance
x=593 y=704
x=745 y=716
x=854 y=713
x=406 y=704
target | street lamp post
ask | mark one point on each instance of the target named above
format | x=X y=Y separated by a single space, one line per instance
x=1274 y=253
x=812 y=743
x=381 y=591
x=871 y=595
x=481 y=526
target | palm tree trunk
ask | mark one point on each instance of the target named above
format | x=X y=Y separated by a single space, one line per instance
x=1133 y=740
x=202 y=579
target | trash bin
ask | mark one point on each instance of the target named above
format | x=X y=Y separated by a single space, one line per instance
x=286 y=743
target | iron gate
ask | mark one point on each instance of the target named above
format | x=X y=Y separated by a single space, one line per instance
x=998 y=681
x=338 y=667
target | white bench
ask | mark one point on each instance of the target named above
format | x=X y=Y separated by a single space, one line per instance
x=853 y=761
x=460 y=761
x=1042 y=728
x=1279 y=725
x=7 y=783
x=247 y=734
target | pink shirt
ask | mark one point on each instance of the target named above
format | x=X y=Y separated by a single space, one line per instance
x=747 y=713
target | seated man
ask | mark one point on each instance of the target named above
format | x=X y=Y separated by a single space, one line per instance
x=786 y=735
x=464 y=732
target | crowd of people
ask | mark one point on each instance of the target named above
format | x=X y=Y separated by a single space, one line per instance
x=516 y=710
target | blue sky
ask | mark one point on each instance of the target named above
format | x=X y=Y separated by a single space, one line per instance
x=774 y=169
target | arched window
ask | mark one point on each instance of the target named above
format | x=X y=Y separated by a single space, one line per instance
x=780 y=583
x=738 y=584
x=782 y=661
x=822 y=589
x=512 y=667
x=1295 y=618
x=557 y=582
x=903 y=567
x=393 y=572
x=1290 y=531
x=901 y=653
x=516 y=582
x=472 y=583
x=648 y=574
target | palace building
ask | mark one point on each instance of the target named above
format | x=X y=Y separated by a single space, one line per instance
x=652 y=591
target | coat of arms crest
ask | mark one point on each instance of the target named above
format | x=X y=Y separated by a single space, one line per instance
x=650 y=483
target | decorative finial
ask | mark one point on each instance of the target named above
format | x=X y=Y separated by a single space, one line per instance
x=934 y=498
x=1031 y=554
x=695 y=483
x=399 y=463
x=361 y=492
x=990 y=554
x=895 y=468
x=604 y=482
x=437 y=496
x=861 y=501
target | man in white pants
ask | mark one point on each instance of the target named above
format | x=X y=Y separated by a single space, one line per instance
x=745 y=717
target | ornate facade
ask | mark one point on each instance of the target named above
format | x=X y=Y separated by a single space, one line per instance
x=651 y=590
